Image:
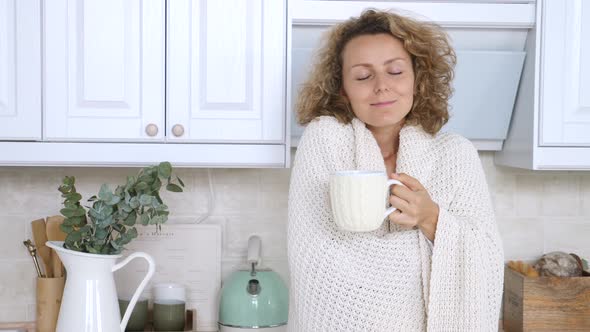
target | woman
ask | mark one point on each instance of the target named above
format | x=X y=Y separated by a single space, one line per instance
x=376 y=100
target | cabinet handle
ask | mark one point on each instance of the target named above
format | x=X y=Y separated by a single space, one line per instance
x=151 y=130
x=178 y=130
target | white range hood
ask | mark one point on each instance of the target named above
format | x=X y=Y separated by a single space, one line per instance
x=489 y=38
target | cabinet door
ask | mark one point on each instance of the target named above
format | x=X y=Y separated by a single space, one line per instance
x=226 y=71
x=20 y=70
x=565 y=73
x=104 y=70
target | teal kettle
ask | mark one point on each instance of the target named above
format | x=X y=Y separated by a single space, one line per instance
x=254 y=298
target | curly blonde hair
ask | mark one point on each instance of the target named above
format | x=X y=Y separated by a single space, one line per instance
x=433 y=61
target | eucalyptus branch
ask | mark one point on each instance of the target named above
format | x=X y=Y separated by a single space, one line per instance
x=108 y=225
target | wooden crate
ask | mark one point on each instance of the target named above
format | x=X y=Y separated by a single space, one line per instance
x=545 y=303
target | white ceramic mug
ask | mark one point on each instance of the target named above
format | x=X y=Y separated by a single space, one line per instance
x=359 y=199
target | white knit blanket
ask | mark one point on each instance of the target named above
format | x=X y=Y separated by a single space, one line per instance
x=392 y=279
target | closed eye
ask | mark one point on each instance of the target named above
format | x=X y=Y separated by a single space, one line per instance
x=363 y=78
x=396 y=73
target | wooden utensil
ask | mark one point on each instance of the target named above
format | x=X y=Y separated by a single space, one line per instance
x=56 y=265
x=54 y=233
x=40 y=237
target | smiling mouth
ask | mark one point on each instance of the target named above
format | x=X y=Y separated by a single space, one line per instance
x=385 y=103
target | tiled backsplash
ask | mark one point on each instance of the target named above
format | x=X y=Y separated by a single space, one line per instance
x=537 y=212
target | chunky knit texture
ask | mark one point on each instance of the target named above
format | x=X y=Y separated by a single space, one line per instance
x=392 y=279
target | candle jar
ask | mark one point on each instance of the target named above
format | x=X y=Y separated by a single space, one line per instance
x=169 y=307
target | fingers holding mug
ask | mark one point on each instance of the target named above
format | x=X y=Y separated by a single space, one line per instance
x=399 y=218
x=398 y=203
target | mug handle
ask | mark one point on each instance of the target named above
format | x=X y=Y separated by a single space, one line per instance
x=148 y=276
x=388 y=184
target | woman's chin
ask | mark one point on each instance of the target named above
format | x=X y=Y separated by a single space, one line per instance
x=385 y=122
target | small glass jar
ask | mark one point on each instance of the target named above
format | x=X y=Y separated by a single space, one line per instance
x=169 y=307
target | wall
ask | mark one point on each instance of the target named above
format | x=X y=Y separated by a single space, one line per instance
x=537 y=212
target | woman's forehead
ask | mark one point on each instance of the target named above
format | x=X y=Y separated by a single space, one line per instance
x=380 y=49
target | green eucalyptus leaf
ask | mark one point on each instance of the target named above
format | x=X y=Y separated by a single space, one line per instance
x=67 y=212
x=105 y=193
x=69 y=180
x=101 y=233
x=80 y=212
x=145 y=199
x=141 y=185
x=125 y=207
x=164 y=169
x=69 y=222
x=173 y=188
x=86 y=229
x=131 y=218
x=74 y=236
x=93 y=213
x=105 y=222
x=114 y=200
x=163 y=213
x=73 y=197
x=116 y=243
x=159 y=199
x=158 y=220
x=71 y=204
x=106 y=250
x=134 y=202
x=132 y=232
x=180 y=181
x=156 y=185
x=145 y=219
x=66 y=228
x=129 y=184
x=107 y=210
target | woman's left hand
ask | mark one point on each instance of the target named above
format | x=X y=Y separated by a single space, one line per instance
x=414 y=206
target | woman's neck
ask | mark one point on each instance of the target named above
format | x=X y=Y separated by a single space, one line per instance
x=388 y=139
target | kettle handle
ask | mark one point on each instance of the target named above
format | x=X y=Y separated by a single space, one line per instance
x=254 y=245
x=148 y=276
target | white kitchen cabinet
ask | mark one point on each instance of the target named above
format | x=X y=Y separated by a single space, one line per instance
x=20 y=70
x=135 y=82
x=104 y=70
x=551 y=123
x=226 y=69
x=565 y=73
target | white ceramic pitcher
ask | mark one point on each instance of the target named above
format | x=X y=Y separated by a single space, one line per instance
x=89 y=302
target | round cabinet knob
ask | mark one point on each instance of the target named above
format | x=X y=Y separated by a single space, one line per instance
x=151 y=130
x=178 y=130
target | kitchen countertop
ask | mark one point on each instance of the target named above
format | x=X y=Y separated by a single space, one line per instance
x=24 y=326
x=30 y=326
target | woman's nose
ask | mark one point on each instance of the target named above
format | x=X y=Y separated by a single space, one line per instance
x=381 y=84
